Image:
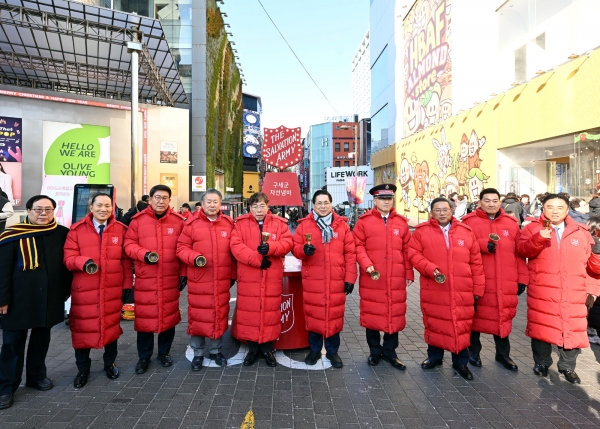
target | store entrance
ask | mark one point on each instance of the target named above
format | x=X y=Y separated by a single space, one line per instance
x=559 y=175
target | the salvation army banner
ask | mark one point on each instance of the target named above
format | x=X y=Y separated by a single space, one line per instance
x=77 y=150
x=282 y=189
x=62 y=190
x=282 y=147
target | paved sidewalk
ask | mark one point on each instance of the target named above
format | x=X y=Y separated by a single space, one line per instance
x=358 y=396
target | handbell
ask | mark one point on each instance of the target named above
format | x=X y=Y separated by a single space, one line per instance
x=265 y=236
x=91 y=268
x=440 y=278
x=153 y=257
x=547 y=224
x=375 y=275
x=200 y=261
x=308 y=238
x=494 y=237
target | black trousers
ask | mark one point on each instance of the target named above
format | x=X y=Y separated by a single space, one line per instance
x=84 y=363
x=12 y=357
x=145 y=343
x=542 y=354
x=460 y=358
x=502 y=345
x=264 y=347
x=390 y=343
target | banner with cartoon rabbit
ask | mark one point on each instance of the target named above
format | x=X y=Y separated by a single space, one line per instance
x=427 y=65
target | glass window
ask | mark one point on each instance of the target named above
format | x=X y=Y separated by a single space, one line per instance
x=346 y=147
x=337 y=163
x=346 y=163
x=337 y=147
x=379 y=130
x=379 y=74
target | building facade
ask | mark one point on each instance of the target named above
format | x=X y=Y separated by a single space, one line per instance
x=319 y=141
x=361 y=80
x=344 y=152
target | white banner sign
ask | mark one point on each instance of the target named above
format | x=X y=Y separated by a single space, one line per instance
x=198 y=183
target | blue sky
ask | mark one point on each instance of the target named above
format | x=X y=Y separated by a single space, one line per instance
x=325 y=34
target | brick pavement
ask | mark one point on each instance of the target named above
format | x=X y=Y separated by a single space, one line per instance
x=358 y=396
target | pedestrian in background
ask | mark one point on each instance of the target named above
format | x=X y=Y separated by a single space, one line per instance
x=328 y=257
x=506 y=276
x=141 y=205
x=151 y=242
x=260 y=276
x=34 y=285
x=6 y=209
x=204 y=248
x=594 y=268
x=101 y=275
x=446 y=254
x=560 y=285
x=381 y=236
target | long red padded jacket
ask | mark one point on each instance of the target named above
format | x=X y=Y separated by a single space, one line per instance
x=504 y=270
x=258 y=305
x=385 y=247
x=96 y=298
x=447 y=307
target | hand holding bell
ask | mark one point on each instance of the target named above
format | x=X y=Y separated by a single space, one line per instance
x=91 y=267
x=200 y=261
x=151 y=257
x=494 y=237
x=308 y=237
x=546 y=232
x=439 y=277
x=375 y=275
x=263 y=248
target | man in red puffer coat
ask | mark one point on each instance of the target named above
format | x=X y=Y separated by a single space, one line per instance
x=446 y=254
x=328 y=275
x=151 y=241
x=204 y=247
x=101 y=271
x=560 y=284
x=260 y=276
x=381 y=236
x=506 y=276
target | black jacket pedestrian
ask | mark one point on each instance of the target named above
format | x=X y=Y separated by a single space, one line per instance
x=515 y=206
x=35 y=298
x=595 y=207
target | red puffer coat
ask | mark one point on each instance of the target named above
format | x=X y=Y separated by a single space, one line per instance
x=504 y=270
x=447 y=307
x=156 y=285
x=258 y=306
x=96 y=299
x=208 y=286
x=324 y=273
x=558 y=283
x=385 y=246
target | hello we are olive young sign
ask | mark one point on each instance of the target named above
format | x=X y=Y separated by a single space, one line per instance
x=77 y=150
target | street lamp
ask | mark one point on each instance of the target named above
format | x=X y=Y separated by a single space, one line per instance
x=355 y=153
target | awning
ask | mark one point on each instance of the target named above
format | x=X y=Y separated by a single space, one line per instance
x=77 y=48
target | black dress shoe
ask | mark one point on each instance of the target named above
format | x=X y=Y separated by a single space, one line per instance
x=571 y=376
x=197 y=363
x=270 y=359
x=81 y=379
x=165 y=360
x=218 y=358
x=142 y=366
x=463 y=371
x=6 y=401
x=112 y=372
x=475 y=360
x=540 y=369
x=45 y=384
x=250 y=358
x=507 y=362
x=430 y=364
x=335 y=359
x=373 y=359
x=395 y=362
x=312 y=358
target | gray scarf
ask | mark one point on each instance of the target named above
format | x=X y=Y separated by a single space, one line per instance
x=324 y=223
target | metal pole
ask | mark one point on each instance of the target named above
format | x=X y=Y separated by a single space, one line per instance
x=133 y=48
x=355 y=173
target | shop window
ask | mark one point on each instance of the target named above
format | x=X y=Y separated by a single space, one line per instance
x=337 y=147
x=346 y=147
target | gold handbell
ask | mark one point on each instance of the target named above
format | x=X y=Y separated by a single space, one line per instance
x=547 y=224
x=200 y=261
x=494 y=237
x=308 y=238
x=375 y=275
x=153 y=257
x=440 y=278
x=265 y=236
x=91 y=268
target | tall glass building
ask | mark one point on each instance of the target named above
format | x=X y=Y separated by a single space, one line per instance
x=319 y=141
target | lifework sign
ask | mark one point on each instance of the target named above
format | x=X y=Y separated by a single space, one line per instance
x=282 y=147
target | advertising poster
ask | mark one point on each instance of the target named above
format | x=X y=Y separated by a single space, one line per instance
x=11 y=158
x=427 y=65
x=198 y=183
x=77 y=150
x=61 y=189
x=168 y=152
x=170 y=180
x=252 y=134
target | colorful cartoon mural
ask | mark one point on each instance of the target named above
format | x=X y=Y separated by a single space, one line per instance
x=427 y=65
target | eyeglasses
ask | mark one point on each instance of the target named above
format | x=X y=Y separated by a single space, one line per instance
x=40 y=210
x=323 y=204
x=438 y=211
x=159 y=198
x=258 y=207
